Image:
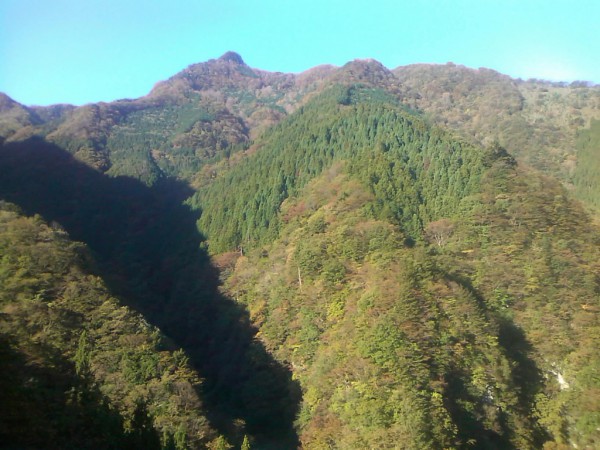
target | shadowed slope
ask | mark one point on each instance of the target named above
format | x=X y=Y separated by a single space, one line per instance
x=149 y=252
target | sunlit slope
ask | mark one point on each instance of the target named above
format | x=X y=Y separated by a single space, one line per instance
x=425 y=291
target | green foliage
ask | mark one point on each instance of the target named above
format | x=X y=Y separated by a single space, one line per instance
x=66 y=336
x=82 y=355
x=586 y=177
x=416 y=173
x=378 y=347
x=172 y=139
x=425 y=292
x=433 y=346
x=538 y=122
x=246 y=444
x=147 y=247
x=530 y=251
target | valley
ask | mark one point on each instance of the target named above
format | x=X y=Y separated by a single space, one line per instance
x=349 y=257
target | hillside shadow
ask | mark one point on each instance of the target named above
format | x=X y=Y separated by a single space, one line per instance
x=149 y=252
x=50 y=407
x=470 y=428
x=525 y=372
x=525 y=375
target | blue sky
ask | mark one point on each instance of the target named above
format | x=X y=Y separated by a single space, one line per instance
x=79 y=51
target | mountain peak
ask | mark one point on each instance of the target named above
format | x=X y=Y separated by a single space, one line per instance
x=367 y=64
x=233 y=57
x=6 y=102
x=368 y=71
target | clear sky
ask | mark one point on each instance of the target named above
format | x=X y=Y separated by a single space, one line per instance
x=79 y=51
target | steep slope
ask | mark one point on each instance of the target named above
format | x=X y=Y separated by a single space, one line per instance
x=79 y=369
x=536 y=121
x=148 y=252
x=386 y=147
x=385 y=282
x=586 y=173
x=202 y=114
x=425 y=291
x=14 y=116
x=372 y=330
x=534 y=260
x=488 y=335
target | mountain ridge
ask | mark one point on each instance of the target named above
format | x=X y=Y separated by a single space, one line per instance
x=261 y=98
x=351 y=257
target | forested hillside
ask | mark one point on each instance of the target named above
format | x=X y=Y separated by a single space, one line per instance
x=474 y=328
x=346 y=258
x=535 y=120
x=148 y=252
x=410 y=279
x=395 y=153
x=586 y=173
x=80 y=370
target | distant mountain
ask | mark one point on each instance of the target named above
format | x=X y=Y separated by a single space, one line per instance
x=537 y=121
x=351 y=257
x=214 y=108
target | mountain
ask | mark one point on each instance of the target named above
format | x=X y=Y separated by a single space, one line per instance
x=392 y=261
x=539 y=122
x=14 y=116
x=350 y=257
x=81 y=370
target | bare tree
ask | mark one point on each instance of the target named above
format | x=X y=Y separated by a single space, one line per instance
x=439 y=231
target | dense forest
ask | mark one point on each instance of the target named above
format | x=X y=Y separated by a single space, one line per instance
x=345 y=258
